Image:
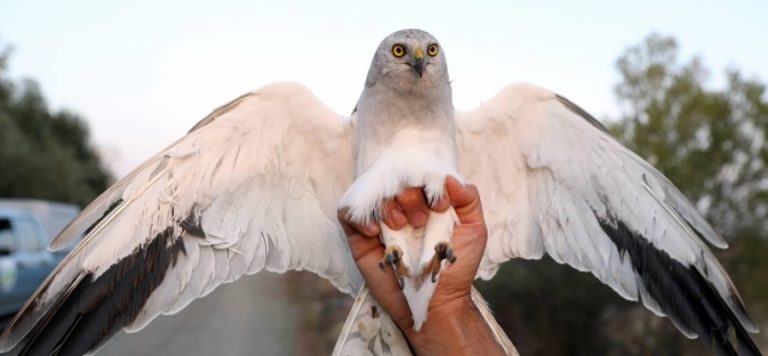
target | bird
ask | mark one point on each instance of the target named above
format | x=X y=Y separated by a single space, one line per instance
x=256 y=185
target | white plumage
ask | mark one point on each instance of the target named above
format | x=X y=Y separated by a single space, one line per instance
x=261 y=200
x=256 y=185
x=553 y=176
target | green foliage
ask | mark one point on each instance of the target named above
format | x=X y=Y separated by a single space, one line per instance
x=713 y=144
x=44 y=154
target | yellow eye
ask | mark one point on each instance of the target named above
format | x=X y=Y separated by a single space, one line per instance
x=432 y=50
x=398 y=50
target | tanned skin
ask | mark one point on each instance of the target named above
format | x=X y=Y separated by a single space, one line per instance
x=454 y=325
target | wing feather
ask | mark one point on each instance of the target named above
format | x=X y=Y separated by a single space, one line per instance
x=553 y=180
x=253 y=186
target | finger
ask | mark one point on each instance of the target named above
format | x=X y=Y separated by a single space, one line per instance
x=360 y=244
x=371 y=229
x=384 y=286
x=442 y=204
x=362 y=247
x=414 y=206
x=393 y=217
x=465 y=200
x=367 y=253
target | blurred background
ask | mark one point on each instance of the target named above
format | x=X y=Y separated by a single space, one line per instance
x=90 y=89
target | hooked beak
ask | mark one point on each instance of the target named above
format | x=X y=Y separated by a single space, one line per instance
x=418 y=62
x=418 y=66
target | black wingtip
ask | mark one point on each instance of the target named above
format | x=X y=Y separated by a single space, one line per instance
x=682 y=292
x=99 y=306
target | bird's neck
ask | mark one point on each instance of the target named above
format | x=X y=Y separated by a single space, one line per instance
x=383 y=111
x=385 y=116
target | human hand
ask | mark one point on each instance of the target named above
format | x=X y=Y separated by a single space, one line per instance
x=451 y=299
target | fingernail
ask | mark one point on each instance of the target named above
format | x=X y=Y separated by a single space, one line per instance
x=418 y=218
x=372 y=228
x=398 y=218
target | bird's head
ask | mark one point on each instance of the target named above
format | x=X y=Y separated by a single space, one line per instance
x=409 y=61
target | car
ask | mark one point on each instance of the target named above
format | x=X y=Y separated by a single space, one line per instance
x=26 y=229
x=24 y=259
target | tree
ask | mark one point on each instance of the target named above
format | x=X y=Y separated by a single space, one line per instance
x=44 y=154
x=711 y=143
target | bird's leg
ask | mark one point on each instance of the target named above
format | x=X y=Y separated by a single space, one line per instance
x=393 y=256
x=443 y=251
x=437 y=245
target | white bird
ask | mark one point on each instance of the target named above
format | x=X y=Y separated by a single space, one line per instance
x=256 y=184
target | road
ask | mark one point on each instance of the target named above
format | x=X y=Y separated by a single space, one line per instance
x=252 y=316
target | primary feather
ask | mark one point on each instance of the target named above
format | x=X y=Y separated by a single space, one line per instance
x=254 y=186
x=553 y=180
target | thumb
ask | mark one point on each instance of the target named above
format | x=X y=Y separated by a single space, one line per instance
x=465 y=200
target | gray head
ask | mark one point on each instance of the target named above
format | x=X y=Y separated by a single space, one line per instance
x=409 y=61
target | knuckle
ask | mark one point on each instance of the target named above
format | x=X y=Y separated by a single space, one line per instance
x=410 y=198
x=389 y=203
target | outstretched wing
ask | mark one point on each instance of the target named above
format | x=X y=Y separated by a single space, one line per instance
x=553 y=180
x=253 y=186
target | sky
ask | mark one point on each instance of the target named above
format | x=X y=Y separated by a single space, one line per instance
x=143 y=72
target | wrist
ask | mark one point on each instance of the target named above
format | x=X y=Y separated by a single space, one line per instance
x=443 y=315
x=452 y=328
x=443 y=323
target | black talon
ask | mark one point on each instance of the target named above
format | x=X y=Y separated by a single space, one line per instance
x=433 y=201
x=394 y=257
x=450 y=256
x=426 y=197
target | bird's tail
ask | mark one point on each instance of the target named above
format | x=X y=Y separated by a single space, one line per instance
x=368 y=329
